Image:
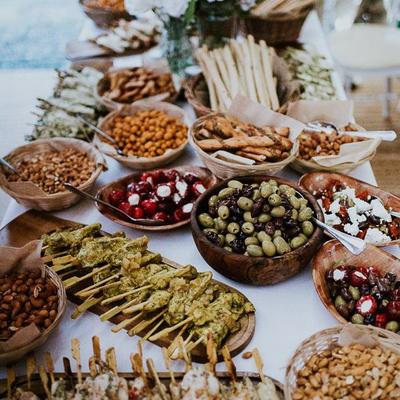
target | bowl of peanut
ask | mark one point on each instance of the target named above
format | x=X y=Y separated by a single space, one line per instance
x=150 y=135
x=44 y=166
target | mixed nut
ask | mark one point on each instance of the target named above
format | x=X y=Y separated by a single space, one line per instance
x=26 y=297
x=116 y=5
x=257 y=220
x=366 y=296
x=50 y=169
x=163 y=195
x=147 y=133
x=129 y=85
x=350 y=372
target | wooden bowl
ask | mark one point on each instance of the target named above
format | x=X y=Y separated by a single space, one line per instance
x=226 y=170
x=254 y=270
x=17 y=354
x=104 y=17
x=103 y=193
x=142 y=163
x=326 y=340
x=332 y=252
x=315 y=181
x=32 y=197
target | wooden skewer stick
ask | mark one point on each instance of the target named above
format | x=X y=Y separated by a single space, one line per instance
x=88 y=303
x=10 y=381
x=96 y=285
x=160 y=387
x=51 y=257
x=30 y=368
x=93 y=366
x=50 y=366
x=111 y=360
x=138 y=365
x=45 y=381
x=229 y=364
x=151 y=331
x=167 y=362
x=123 y=295
x=99 y=289
x=75 y=279
x=166 y=331
x=192 y=345
x=144 y=324
x=116 y=310
x=174 y=345
x=185 y=355
x=60 y=267
x=211 y=353
x=259 y=364
x=76 y=355
x=96 y=348
x=123 y=324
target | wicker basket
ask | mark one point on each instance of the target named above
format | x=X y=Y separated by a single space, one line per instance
x=277 y=30
x=50 y=202
x=142 y=163
x=328 y=339
x=103 y=17
x=226 y=170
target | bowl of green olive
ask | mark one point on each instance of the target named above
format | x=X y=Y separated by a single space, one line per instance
x=257 y=229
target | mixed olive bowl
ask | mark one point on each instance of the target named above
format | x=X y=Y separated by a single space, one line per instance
x=259 y=270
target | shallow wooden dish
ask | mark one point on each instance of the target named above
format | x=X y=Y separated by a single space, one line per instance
x=142 y=163
x=33 y=197
x=208 y=179
x=315 y=181
x=33 y=224
x=331 y=252
x=17 y=354
x=254 y=270
x=165 y=378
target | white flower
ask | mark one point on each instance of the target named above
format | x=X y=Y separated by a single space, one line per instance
x=246 y=5
x=175 y=8
x=139 y=6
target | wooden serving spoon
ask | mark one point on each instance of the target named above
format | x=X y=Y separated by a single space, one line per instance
x=86 y=195
x=9 y=166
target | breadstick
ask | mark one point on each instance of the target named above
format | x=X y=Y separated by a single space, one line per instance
x=267 y=67
x=236 y=143
x=255 y=157
x=249 y=72
x=233 y=75
x=238 y=58
x=210 y=85
x=223 y=70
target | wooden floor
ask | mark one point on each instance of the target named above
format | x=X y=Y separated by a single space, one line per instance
x=368 y=113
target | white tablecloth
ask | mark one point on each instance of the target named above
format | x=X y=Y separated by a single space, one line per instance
x=287 y=313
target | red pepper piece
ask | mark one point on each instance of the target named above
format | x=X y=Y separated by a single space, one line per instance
x=393 y=230
x=366 y=305
x=116 y=197
x=381 y=320
x=358 y=277
x=363 y=195
x=149 y=207
x=326 y=203
x=393 y=309
x=137 y=213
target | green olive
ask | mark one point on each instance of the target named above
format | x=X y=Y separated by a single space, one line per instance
x=269 y=248
x=273 y=182
x=228 y=248
x=212 y=201
x=235 y=184
x=297 y=242
x=245 y=203
x=256 y=194
x=251 y=240
x=266 y=190
x=308 y=227
x=264 y=217
x=248 y=228
x=284 y=188
x=221 y=240
x=274 y=200
x=220 y=224
x=393 y=326
x=301 y=234
x=262 y=236
x=355 y=293
x=277 y=233
x=206 y=220
x=294 y=202
x=225 y=192
x=294 y=214
x=209 y=230
x=254 y=250
x=278 y=212
x=290 y=192
x=281 y=245
x=339 y=301
x=357 y=319
x=223 y=212
x=303 y=203
x=229 y=238
x=254 y=185
x=248 y=218
x=305 y=214
x=233 y=227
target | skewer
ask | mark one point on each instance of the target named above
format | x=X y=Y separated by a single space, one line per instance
x=211 y=353
x=60 y=267
x=144 y=324
x=229 y=364
x=93 y=366
x=166 y=331
x=45 y=381
x=160 y=387
x=68 y=283
x=51 y=257
x=99 y=289
x=88 y=303
x=259 y=364
x=167 y=362
x=50 y=366
x=173 y=348
x=138 y=366
x=185 y=355
x=111 y=360
x=30 y=368
x=76 y=355
x=123 y=295
x=96 y=285
x=10 y=381
x=150 y=332
x=192 y=345
x=96 y=348
x=123 y=324
x=68 y=371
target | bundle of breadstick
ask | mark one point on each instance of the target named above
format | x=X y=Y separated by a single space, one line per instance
x=243 y=68
x=223 y=134
x=268 y=8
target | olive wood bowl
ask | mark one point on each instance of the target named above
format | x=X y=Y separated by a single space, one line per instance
x=332 y=253
x=316 y=181
x=255 y=270
x=103 y=193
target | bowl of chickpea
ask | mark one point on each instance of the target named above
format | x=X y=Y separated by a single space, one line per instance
x=150 y=135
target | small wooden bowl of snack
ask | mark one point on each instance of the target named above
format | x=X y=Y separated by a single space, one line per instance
x=126 y=86
x=150 y=135
x=32 y=298
x=104 y=13
x=322 y=144
x=257 y=229
x=363 y=289
x=164 y=195
x=230 y=147
x=338 y=355
x=44 y=166
x=355 y=207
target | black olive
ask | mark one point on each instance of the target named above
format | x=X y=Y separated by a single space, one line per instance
x=345 y=293
x=270 y=228
x=190 y=178
x=213 y=238
x=364 y=289
x=257 y=207
x=369 y=319
x=382 y=305
x=329 y=275
x=373 y=219
x=213 y=212
x=259 y=226
x=241 y=236
x=286 y=204
x=293 y=231
x=397 y=285
x=238 y=246
x=379 y=296
x=247 y=191
x=278 y=222
x=266 y=208
x=390 y=277
x=363 y=225
x=343 y=310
